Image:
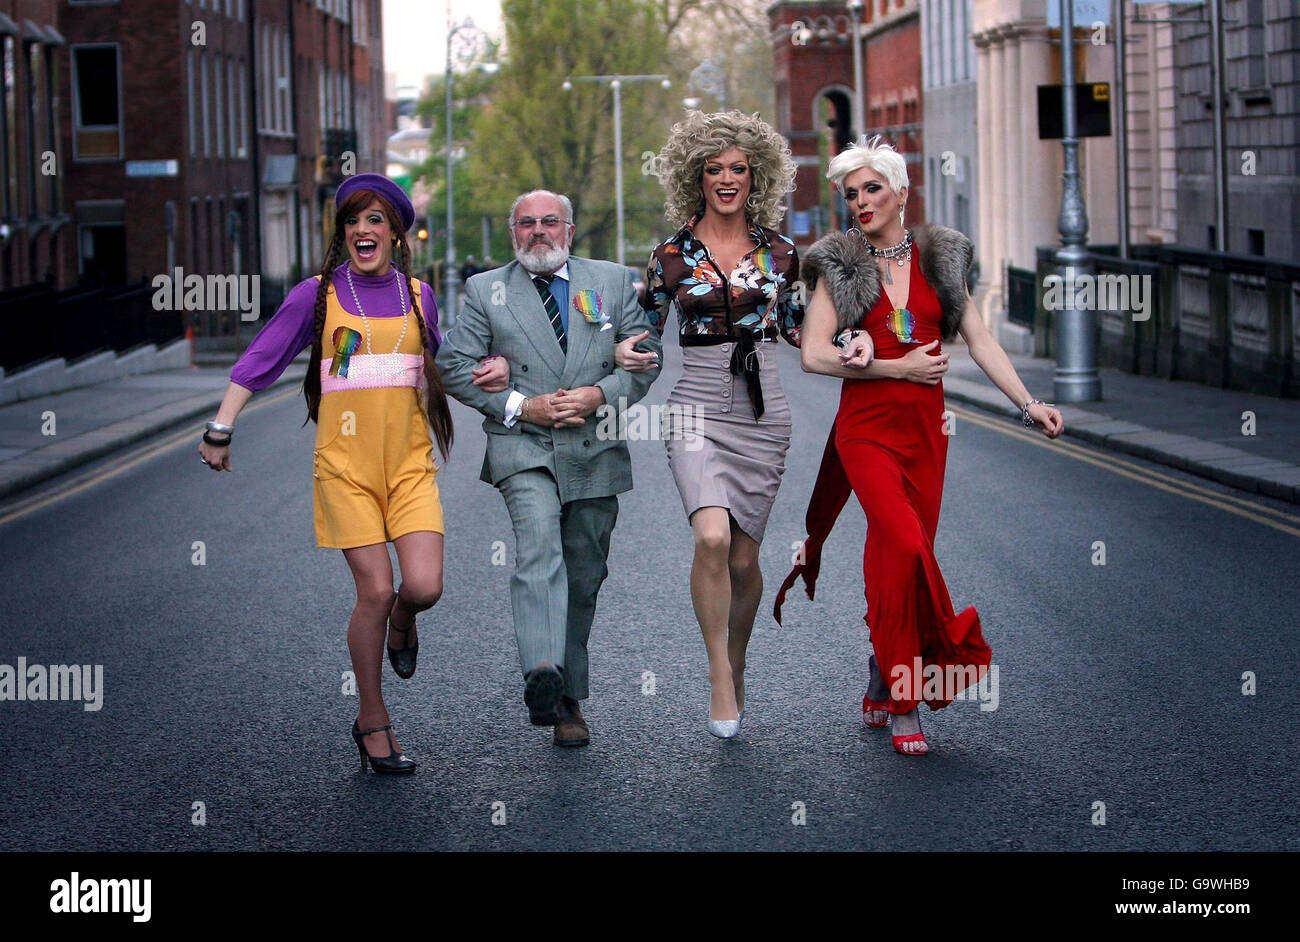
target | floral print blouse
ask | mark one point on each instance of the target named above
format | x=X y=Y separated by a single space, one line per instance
x=762 y=295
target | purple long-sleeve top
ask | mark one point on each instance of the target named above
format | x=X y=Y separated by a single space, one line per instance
x=288 y=333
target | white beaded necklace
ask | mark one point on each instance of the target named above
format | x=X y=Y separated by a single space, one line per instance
x=365 y=322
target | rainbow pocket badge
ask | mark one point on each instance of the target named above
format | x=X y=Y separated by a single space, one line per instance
x=902 y=321
x=588 y=304
x=346 y=342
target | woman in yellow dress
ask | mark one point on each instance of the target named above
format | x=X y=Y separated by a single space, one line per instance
x=373 y=331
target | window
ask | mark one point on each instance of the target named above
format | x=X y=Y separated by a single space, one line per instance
x=284 y=87
x=191 y=102
x=219 y=113
x=232 y=106
x=1255 y=238
x=9 y=126
x=1256 y=60
x=203 y=91
x=54 y=181
x=36 y=130
x=266 y=94
x=96 y=103
x=243 y=111
x=360 y=24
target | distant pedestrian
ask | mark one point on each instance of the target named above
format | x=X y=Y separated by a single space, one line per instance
x=890 y=296
x=374 y=471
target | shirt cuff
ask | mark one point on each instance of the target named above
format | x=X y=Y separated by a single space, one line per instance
x=514 y=408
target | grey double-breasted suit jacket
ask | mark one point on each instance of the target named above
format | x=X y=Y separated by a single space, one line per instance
x=504 y=315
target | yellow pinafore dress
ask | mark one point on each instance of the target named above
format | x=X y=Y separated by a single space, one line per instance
x=374 y=473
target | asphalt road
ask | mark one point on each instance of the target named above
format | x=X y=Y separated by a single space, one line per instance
x=1119 y=684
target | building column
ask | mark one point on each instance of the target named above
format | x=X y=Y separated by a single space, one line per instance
x=1040 y=160
x=983 y=162
x=1018 y=106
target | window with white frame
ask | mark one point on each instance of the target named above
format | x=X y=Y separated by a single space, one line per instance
x=9 y=127
x=285 y=86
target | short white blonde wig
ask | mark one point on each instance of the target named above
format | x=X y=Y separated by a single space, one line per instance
x=699 y=136
x=875 y=154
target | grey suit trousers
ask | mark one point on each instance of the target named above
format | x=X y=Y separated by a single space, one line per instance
x=560 y=555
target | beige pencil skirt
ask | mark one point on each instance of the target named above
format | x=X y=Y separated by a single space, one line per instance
x=719 y=454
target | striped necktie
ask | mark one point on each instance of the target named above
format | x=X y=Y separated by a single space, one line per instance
x=543 y=284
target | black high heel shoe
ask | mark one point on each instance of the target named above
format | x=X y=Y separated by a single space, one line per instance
x=395 y=762
x=403 y=659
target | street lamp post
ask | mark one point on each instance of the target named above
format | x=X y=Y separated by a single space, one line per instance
x=710 y=79
x=615 y=82
x=452 y=274
x=1076 y=378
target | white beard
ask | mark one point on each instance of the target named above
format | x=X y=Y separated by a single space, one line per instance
x=545 y=263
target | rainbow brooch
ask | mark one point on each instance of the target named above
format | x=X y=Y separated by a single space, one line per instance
x=588 y=304
x=901 y=321
x=346 y=342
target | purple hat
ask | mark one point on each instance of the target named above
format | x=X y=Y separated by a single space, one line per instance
x=381 y=185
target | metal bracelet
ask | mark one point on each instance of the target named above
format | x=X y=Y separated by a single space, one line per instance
x=1024 y=412
x=218 y=427
x=843 y=341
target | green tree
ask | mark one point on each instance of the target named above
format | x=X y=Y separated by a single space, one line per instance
x=472 y=90
x=534 y=134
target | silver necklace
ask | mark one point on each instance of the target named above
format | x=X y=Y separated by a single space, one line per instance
x=902 y=251
x=365 y=321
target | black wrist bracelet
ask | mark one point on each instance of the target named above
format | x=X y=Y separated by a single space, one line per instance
x=218 y=442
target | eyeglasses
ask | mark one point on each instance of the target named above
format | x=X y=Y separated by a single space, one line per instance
x=549 y=222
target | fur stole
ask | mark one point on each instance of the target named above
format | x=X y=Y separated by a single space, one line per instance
x=853 y=280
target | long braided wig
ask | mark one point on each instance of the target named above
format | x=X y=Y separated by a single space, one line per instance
x=436 y=408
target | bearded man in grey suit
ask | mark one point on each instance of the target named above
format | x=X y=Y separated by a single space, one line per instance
x=556 y=319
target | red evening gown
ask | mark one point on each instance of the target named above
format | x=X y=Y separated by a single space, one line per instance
x=888 y=444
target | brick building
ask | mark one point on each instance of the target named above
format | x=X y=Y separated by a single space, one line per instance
x=210 y=135
x=815 y=89
x=36 y=240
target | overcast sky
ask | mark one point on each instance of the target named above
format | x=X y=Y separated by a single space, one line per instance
x=415 y=33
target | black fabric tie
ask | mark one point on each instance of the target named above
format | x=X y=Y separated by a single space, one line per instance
x=744 y=359
x=543 y=284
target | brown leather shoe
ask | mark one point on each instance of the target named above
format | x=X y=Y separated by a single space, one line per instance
x=570 y=727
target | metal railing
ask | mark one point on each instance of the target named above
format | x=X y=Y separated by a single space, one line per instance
x=1212 y=317
x=42 y=323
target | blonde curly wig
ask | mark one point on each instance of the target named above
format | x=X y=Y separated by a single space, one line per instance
x=699 y=136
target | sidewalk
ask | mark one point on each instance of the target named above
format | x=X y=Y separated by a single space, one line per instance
x=1195 y=428
x=93 y=421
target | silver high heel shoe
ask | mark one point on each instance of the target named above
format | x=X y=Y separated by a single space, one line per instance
x=725 y=729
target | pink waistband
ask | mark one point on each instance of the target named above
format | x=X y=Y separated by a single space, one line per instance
x=374 y=371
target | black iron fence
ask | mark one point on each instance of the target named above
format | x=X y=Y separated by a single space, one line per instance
x=41 y=323
x=1179 y=313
